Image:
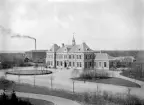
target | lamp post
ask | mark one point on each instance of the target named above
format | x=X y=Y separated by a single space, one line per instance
x=19 y=36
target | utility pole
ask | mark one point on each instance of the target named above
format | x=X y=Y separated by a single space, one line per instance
x=73 y=86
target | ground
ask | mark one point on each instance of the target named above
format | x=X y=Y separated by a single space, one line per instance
x=61 y=80
x=114 y=81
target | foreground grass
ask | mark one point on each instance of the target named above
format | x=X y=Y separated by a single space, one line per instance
x=111 y=80
x=37 y=101
x=106 y=77
x=84 y=98
x=95 y=98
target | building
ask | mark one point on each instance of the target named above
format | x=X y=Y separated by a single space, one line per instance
x=74 y=56
x=36 y=56
x=102 y=60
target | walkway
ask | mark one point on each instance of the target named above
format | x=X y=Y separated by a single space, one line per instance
x=54 y=99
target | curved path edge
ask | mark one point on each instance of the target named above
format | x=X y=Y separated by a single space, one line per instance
x=54 y=99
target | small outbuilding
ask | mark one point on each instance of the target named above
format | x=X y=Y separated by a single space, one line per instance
x=102 y=61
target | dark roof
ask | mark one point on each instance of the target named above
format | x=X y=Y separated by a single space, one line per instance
x=76 y=48
x=80 y=48
x=37 y=51
x=103 y=56
x=54 y=48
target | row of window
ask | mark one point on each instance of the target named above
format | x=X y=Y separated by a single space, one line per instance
x=77 y=64
x=100 y=64
x=70 y=64
x=49 y=56
x=60 y=56
x=88 y=64
x=90 y=56
x=50 y=63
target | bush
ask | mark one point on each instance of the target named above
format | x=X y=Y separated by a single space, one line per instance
x=5 y=84
x=12 y=100
x=94 y=75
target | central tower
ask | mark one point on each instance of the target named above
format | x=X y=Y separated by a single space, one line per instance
x=73 y=41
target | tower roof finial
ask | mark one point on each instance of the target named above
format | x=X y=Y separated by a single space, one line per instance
x=73 y=41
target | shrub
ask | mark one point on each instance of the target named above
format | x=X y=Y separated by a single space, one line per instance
x=12 y=100
x=5 y=84
x=94 y=75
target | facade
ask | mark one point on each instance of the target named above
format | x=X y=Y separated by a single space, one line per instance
x=36 y=56
x=73 y=56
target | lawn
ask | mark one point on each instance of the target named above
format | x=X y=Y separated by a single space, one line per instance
x=111 y=80
x=132 y=75
x=29 y=72
x=37 y=101
x=83 y=98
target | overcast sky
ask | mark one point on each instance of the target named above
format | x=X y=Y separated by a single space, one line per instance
x=102 y=24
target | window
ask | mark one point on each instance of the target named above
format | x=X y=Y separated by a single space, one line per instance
x=94 y=63
x=77 y=64
x=85 y=64
x=73 y=64
x=105 y=65
x=69 y=56
x=69 y=63
x=61 y=63
x=90 y=64
x=99 y=64
x=85 y=56
x=77 y=57
x=80 y=64
x=73 y=57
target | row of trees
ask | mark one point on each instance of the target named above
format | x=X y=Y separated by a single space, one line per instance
x=118 y=64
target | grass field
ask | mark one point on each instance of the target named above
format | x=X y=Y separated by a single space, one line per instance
x=111 y=80
x=37 y=101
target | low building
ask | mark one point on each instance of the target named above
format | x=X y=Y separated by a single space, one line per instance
x=36 y=56
x=102 y=61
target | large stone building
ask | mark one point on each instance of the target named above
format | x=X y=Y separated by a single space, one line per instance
x=74 y=56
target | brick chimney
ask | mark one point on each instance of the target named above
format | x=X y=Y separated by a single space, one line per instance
x=62 y=44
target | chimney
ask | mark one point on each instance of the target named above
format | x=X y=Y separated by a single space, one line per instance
x=62 y=44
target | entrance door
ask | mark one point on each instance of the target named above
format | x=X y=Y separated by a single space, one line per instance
x=65 y=64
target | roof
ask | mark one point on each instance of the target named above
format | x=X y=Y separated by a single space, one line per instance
x=54 y=48
x=103 y=56
x=37 y=51
x=80 y=48
x=74 y=48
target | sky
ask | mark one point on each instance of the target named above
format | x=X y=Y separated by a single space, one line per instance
x=102 y=24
